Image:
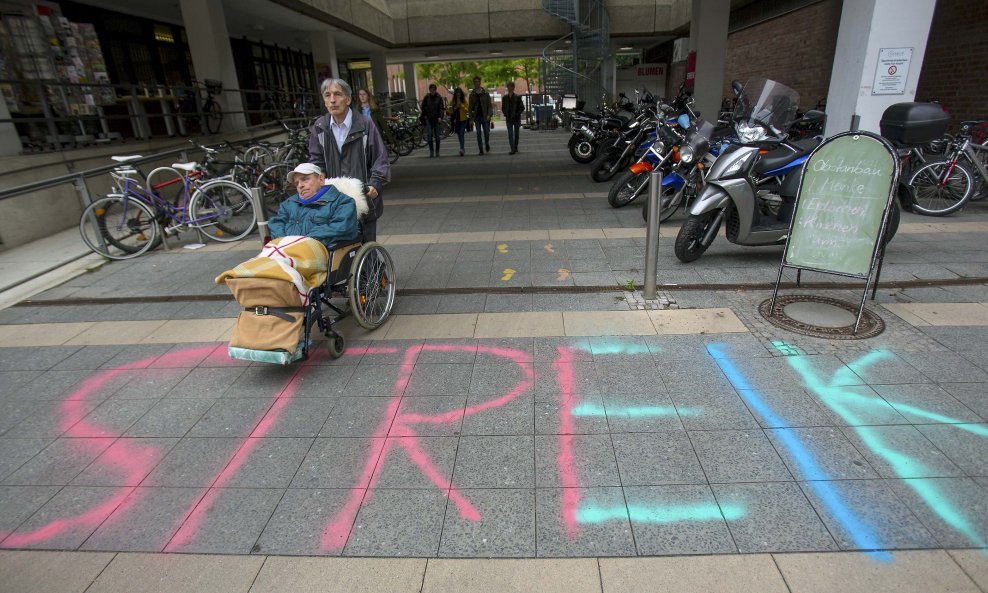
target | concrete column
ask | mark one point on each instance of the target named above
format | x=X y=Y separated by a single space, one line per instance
x=608 y=75
x=411 y=81
x=324 y=54
x=379 y=72
x=10 y=141
x=709 y=29
x=875 y=37
x=212 y=57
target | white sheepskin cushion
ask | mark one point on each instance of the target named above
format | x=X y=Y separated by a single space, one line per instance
x=355 y=189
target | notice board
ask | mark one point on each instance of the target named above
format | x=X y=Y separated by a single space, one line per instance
x=844 y=194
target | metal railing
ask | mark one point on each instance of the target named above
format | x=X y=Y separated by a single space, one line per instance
x=78 y=179
x=51 y=115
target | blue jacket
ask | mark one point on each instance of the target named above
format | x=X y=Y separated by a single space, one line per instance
x=331 y=218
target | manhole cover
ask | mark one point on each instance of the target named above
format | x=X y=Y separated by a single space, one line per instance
x=821 y=317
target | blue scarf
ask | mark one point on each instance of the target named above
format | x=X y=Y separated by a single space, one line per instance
x=315 y=196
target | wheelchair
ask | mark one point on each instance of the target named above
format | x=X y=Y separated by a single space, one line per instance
x=363 y=274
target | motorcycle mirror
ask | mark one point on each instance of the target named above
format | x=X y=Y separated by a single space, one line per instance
x=814 y=115
x=737 y=87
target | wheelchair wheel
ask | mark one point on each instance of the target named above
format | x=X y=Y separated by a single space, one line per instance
x=371 y=285
x=336 y=345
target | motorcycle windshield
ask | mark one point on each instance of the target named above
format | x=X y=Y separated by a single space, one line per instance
x=768 y=103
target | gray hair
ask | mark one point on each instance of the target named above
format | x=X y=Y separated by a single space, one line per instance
x=338 y=82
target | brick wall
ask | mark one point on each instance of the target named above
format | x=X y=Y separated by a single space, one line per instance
x=955 y=67
x=796 y=49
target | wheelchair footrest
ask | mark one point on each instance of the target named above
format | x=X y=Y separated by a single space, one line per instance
x=281 y=357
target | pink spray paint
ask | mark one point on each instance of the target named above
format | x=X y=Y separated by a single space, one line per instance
x=132 y=461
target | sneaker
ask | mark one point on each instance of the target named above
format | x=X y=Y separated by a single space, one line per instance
x=487 y=147
x=461 y=152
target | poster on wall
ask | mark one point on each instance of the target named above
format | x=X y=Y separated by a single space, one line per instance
x=892 y=71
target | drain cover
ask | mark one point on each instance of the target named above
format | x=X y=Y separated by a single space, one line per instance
x=821 y=317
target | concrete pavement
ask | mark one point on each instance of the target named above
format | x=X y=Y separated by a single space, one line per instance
x=517 y=405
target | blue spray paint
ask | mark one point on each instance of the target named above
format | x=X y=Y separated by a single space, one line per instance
x=861 y=535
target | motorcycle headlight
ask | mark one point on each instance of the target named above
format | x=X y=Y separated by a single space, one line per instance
x=750 y=132
x=686 y=154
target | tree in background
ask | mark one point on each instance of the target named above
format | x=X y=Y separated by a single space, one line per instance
x=494 y=73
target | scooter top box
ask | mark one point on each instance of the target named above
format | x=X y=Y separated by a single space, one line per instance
x=914 y=123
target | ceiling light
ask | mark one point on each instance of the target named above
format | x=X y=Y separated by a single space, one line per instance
x=627 y=48
x=497 y=52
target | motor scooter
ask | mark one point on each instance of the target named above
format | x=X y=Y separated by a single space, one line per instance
x=752 y=186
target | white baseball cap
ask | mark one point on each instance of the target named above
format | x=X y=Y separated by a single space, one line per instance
x=304 y=169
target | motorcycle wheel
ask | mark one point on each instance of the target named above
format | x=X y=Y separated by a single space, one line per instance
x=689 y=241
x=669 y=201
x=600 y=170
x=581 y=149
x=627 y=185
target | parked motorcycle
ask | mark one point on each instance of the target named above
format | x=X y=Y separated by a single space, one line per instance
x=684 y=182
x=753 y=184
x=659 y=152
x=617 y=153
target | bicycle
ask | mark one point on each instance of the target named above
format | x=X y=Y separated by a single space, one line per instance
x=211 y=116
x=128 y=221
x=944 y=186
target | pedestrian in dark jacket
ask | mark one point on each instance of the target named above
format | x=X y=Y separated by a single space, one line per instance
x=512 y=107
x=433 y=108
x=345 y=144
x=481 y=109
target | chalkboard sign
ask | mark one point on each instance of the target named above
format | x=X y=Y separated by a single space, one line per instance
x=844 y=194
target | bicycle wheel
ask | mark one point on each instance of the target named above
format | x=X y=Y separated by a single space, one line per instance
x=371 y=285
x=404 y=143
x=222 y=210
x=941 y=187
x=214 y=116
x=119 y=228
x=273 y=182
x=259 y=155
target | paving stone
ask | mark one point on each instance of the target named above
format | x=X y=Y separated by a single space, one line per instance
x=866 y=515
x=47 y=529
x=18 y=503
x=169 y=418
x=677 y=519
x=34 y=358
x=593 y=463
x=439 y=379
x=560 y=532
x=296 y=527
x=495 y=462
x=657 y=458
x=193 y=462
x=488 y=416
x=234 y=522
x=229 y=417
x=506 y=527
x=206 y=383
x=60 y=462
x=30 y=572
x=773 y=517
x=271 y=463
x=360 y=417
x=402 y=464
x=819 y=453
x=398 y=523
x=964 y=444
x=925 y=403
x=340 y=463
x=901 y=452
x=738 y=456
x=145 y=520
x=972 y=395
x=126 y=462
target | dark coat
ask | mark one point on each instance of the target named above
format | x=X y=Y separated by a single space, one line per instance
x=512 y=107
x=433 y=107
x=481 y=106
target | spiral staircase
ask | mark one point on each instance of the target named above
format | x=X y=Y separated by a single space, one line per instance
x=573 y=63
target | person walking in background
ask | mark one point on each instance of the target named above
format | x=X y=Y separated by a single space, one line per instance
x=433 y=108
x=458 y=115
x=481 y=108
x=369 y=109
x=512 y=107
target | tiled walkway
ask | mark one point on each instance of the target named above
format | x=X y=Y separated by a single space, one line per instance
x=566 y=429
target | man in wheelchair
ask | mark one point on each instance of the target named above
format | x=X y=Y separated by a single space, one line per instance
x=321 y=210
x=314 y=254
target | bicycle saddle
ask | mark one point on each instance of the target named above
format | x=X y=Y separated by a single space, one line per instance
x=124 y=159
x=188 y=167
